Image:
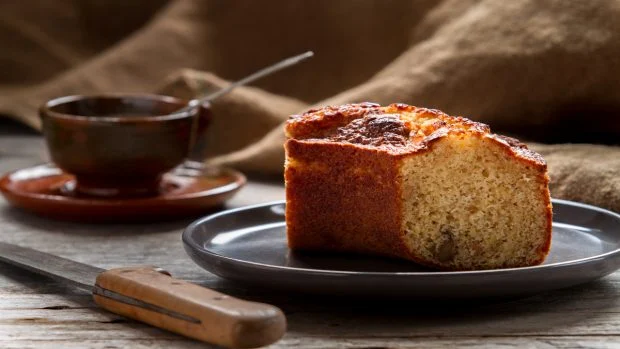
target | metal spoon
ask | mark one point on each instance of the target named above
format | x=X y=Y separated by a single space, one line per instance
x=259 y=74
x=194 y=165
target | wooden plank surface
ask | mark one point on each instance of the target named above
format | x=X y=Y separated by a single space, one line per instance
x=38 y=313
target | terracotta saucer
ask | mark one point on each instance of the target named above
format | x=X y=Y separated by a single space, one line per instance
x=184 y=192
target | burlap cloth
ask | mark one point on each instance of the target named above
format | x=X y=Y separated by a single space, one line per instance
x=547 y=71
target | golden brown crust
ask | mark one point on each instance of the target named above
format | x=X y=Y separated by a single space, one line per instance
x=548 y=215
x=314 y=204
x=520 y=151
x=393 y=132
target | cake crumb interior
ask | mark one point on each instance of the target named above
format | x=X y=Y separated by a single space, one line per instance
x=468 y=205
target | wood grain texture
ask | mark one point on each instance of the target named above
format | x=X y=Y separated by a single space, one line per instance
x=188 y=309
x=38 y=313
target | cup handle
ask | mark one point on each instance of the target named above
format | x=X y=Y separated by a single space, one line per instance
x=198 y=151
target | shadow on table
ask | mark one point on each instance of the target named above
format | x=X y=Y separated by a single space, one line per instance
x=32 y=221
x=562 y=312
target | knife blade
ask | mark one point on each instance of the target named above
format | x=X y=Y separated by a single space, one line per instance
x=149 y=294
x=76 y=274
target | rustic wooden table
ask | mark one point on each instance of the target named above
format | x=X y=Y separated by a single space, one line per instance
x=38 y=313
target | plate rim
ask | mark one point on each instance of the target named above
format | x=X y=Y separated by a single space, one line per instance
x=190 y=243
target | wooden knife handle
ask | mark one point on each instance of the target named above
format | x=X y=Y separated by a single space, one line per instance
x=151 y=295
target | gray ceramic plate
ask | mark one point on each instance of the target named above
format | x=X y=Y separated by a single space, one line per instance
x=249 y=245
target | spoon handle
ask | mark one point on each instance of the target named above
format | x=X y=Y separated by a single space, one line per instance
x=257 y=75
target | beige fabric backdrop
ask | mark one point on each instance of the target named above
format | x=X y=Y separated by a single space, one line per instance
x=545 y=71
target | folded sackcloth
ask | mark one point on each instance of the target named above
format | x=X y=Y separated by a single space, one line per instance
x=544 y=71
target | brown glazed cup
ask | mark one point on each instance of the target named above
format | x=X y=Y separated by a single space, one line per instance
x=121 y=145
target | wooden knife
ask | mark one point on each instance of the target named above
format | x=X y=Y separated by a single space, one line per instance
x=149 y=294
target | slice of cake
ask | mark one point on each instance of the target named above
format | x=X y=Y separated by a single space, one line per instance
x=414 y=183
